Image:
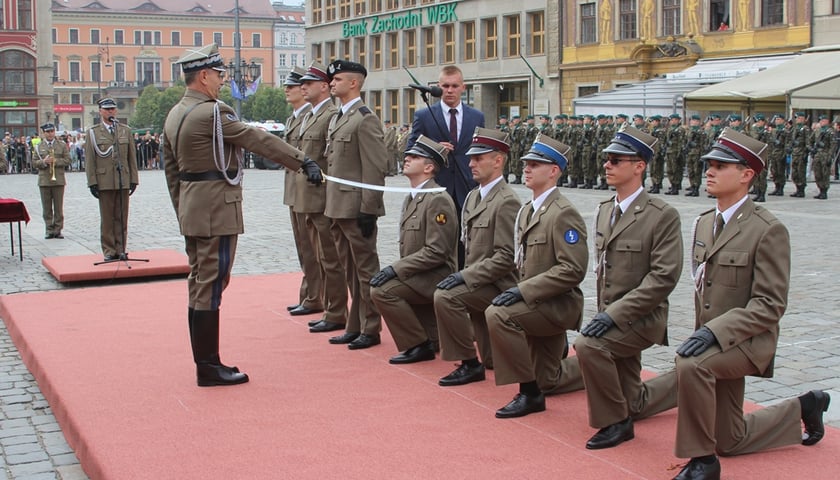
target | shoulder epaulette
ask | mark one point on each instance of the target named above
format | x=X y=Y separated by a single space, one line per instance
x=364 y=110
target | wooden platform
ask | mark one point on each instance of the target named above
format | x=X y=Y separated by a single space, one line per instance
x=83 y=268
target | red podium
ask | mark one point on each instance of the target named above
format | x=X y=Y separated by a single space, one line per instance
x=11 y=211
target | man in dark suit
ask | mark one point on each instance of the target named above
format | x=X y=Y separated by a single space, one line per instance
x=528 y=322
x=740 y=258
x=436 y=123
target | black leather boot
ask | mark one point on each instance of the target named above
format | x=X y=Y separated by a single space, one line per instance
x=205 y=346
x=823 y=195
x=800 y=192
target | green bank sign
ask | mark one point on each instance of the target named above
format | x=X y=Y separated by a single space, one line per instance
x=418 y=17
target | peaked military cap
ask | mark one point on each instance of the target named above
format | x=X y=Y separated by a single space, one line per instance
x=207 y=56
x=632 y=141
x=489 y=140
x=48 y=127
x=548 y=150
x=316 y=72
x=735 y=147
x=428 y=148
x=293 y=79
x=107 y=102
x=338 y=66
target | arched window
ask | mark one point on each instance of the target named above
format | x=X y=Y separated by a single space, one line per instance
x=17 y=73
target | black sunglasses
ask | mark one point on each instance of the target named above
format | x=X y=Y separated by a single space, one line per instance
x=614 y=160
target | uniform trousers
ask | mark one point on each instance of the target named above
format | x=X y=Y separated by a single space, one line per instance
x=461 y=321
x=822 y=170
x=331 y=270
x=311 y=293
x=361 y=263
x=778 y=169
x=527 y=345
x=113 y=233
x=798 y=169
x=52 y=202
x=211 y=260
x=409 y=314
x=711 y=416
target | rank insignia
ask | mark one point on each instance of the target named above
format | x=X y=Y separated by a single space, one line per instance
x=440 y=218
x=231 y=117
x=571 y=236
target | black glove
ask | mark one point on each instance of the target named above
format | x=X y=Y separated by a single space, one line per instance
x=367 y=222
x=94 y=190
x=131 y=188
x=599 y=325
x=450 y=281
x=697 y=343
x=312 y=171
x=383 y=276
x=508 y=297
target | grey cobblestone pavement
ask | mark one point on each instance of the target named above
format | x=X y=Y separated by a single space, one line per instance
x=31 y=441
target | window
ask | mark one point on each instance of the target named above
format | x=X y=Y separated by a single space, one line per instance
x=376 y=101
x=392 y=5
x=393 y=50
x=587 y=23
x=176 y=39
x=24 y=11
x=284 y=38
x=75 y=72
x=119 y=71
x=256 y=40
x=17 y=73
x=75 y=98
x=361 y=52
x=671 y=17
x=835 y=7
x=409 y=3
x=410 y=101
x=375 y=6
x=587 y=90
x=410 y=41
x=627 y=19
x=491 y=38
x=119 y=37
x=428 y=45
x=331 y=51
x=295 y=60
x=54 y=34
x=376 y=47
x=317 y=11
x=95 y=72
x=359 y=7
x=146 y=37
x=343 y=9
x=345 y=49
x=318 y=53
x=55 y=76
x=282 y=60
x=719 y=15
x=772 y=12
x=198 y=39
x=94 y=36
x=513 y=35
x=448 y=33
x=176 y=72
x=148 y=72
x=394 y=105
x=217 y=38
x=74 y=35
x=469 y=41
x=331 y=10
x=536 y=25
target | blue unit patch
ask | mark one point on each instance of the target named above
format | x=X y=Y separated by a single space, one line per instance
x=572 y=236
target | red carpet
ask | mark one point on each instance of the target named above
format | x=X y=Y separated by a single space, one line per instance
x=81 y=268
x=115 y=366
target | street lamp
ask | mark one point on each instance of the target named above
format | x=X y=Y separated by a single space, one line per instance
x=240 y=71
x=102 y=50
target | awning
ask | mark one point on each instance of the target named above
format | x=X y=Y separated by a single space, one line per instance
x=808 y=81
x=664 y=95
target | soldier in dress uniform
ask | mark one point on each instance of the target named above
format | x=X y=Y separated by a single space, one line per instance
x=779 y=144
x=821 y=149
x=528 y=321
x=404 y=291
x=696 y=144
x=800 y=146
x=111 y=176
x=203 y=161
x=51 y=157
x=356 y=151
x=675 y=153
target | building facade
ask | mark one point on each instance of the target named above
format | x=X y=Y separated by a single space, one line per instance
x=500 y=46
x=116 y=48
x=289 y=39
x=25 y=70
x=826 y=23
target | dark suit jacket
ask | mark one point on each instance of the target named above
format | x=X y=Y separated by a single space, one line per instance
x=457 y=177
x=743 y=293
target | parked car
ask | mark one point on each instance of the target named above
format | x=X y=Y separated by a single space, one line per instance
x=275 y=128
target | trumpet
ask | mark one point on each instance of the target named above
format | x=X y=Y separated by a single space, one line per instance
x=51 y=154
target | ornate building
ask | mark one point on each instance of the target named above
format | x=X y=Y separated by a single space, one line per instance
x=289 y=39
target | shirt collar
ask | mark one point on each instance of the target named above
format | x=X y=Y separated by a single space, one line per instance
x=345 y=107
x=727 y=214
x=300 y=109
x=537 y=202
x=317 y=108
x=414 y=193
x=486 y=188
x=625 y=204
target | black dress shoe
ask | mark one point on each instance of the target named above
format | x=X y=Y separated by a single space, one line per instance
x=58 y=235
x=463 y=375
x=420 y=353
x=612 y=435
x=49 y=236
x=522 y=405
x=301 y=310
x=698 y=470
x=345 y=337
x=111 y=258
x=312 y=323
x=325 y=326
x=364 y=341
x=216 y=374
x=813 y=420
x=292 y=307
x=123 y=256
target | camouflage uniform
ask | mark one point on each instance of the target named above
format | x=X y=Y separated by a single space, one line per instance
x=505 y=127
x=657 y=164
x=821 y=164
x=587 y=161
x=800 y=140
x=675 y=155
x=696 y=145
x=517 y=131
x=574 y=139
x=603 y=135
x=779 y=144
x=759 y=132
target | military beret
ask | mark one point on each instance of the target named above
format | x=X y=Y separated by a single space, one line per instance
x=822 y=117
x=601 y=116
x=799 y=114
x=776 y=116
x=48 y=127
x=529 y=117
x=622 y=115
x=734 y=118
x=695 y=117
x=735 y=147
x=502 y=117
x=656 y=117
x=714 y=116
x=515 y=117
x=339 y=66
x=675 y=116
x=639 y=115
x=107 y=102
x=758 y=117
x=207 y=56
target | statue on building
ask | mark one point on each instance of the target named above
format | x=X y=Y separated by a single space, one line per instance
x=648 y=15
x=605 y=14
x=743 y=15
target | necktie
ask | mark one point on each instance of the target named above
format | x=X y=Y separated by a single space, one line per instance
x=453 y=125
x=306 y=119
x=616 y=216
x=718 y=226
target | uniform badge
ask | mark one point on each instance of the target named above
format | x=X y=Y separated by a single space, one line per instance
x=231 y=117
x=572 y=236
x=440 y=218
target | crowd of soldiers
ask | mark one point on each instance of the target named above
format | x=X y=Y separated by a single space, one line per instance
x=680 y=146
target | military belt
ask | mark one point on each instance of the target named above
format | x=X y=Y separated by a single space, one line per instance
x=205 y=176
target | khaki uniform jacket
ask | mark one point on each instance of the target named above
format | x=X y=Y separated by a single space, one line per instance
x=742 y=289
x=62 y=159
x=554 y=260
x=292 y=135
x=356 y=151
x=639 y=262
x=428 y=240
x=487 y=228
x=214 y=207
x=311 y=198
x=102 y=171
